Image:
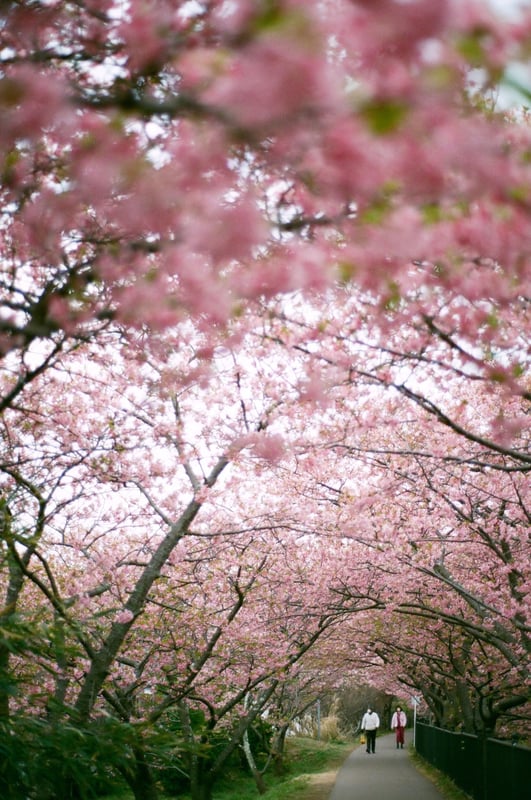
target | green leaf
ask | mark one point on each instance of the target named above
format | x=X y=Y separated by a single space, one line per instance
x=471 y=47
x=384 y=116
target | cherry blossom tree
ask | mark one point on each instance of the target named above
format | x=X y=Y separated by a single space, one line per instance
x=193 y=536
x=449 y=535
x=149 y=577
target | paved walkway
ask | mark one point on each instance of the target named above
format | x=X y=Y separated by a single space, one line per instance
x=387 y=775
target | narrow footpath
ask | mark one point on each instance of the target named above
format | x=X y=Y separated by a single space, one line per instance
x=388 y=774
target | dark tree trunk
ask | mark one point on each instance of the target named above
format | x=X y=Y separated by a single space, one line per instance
x=140 y=779
x=465 y=705
x=277 y=750
x=201 y=781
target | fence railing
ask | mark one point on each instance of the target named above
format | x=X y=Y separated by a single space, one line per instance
x=486 y=769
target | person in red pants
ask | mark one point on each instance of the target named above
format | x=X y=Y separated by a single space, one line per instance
x=398 y=724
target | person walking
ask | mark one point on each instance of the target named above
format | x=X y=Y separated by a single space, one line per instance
x=369 y=725
x=398 y=724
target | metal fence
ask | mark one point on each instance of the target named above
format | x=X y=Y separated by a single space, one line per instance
x=486 y=769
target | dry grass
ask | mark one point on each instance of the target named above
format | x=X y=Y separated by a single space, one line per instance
x=319 y=787
x=320 y=784
x=330 y=729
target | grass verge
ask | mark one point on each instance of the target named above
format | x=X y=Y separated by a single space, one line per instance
x=311 y=768
x=311 y=773
x=442 y=782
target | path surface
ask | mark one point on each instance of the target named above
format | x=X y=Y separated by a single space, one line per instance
x=387 y=775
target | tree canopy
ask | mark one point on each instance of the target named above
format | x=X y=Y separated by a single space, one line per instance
x=264 y=333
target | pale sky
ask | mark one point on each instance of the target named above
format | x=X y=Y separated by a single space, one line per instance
x=512 y=7
x=520 y=72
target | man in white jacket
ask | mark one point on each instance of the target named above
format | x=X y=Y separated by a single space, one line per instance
x=370 y=724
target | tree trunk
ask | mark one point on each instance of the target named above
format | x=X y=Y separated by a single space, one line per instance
x=103 y=660
x=201 y=791
x=277 y=750
x=255 y=772
x=13 y=589
x=467 y=711
x=140 y=779
x=199 y=773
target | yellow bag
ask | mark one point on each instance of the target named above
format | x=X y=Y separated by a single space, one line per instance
x=362 y=738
